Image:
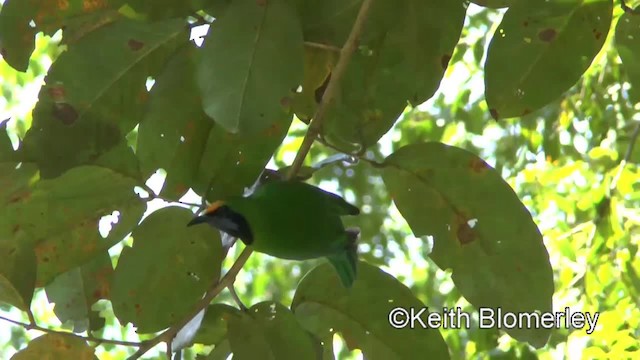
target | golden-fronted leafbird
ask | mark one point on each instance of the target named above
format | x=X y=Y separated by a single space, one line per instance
x=290 y=220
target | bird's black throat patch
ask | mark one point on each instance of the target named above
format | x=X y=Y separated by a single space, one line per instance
x=233 y=223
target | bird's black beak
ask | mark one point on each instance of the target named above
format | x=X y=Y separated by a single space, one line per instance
x=198 y=220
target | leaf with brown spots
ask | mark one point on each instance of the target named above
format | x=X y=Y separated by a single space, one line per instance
x=540 y=50
x=56 y=346
x=91 y=98
x=360 y=314
x=75 y=291
x=168 y=261
x=135 y=45
x=17 y=270
x=547 y=35
x=481 y=230
x=17 y=37
x=60 y=216
x=403 y=62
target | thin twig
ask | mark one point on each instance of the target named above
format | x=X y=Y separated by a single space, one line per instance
x=322 y=46
x=236 y=298
x=34 y=326
x=341 y=67
x=32 y=319
x=153 y=195
x=357 y=156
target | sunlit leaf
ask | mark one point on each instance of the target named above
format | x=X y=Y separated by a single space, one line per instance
x=540 y=50
x=481 y=230
x=56 y=346
x=17 y=36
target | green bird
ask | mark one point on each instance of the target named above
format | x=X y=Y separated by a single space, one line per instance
x=290 y=220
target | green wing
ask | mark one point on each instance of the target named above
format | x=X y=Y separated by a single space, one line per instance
x=338 y=204
x=307 y=195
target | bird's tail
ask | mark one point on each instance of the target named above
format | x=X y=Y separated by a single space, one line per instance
x=345 y=262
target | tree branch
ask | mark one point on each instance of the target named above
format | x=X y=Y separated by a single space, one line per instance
x=34 y=326
x=341 y=67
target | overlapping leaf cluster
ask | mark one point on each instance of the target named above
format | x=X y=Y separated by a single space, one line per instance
x=132 y=94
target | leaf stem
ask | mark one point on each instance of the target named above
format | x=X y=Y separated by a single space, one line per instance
x=34 y=326
x=322 y=46
x=332 y=88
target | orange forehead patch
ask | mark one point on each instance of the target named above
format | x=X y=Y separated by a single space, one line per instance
x=214 y=206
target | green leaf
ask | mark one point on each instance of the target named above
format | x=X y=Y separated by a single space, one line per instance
x=18 y=268
x=75 y=291
x=96 y=93
x=168 y=261
x=330 y=21
x=540 y=50
x=251 y=60
x=165 y=9
x=269 y=331
x=432 y=30
x=56 y=346
x=60 y=216
x=220 y=352
x=405 y=61
x=196 y=153
x=17 y=37
x=628 y=45
x=17 y=272
x=174 y=131
x=361 y=314
x=317 y=67
x=481 y=230
x=213 y=329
